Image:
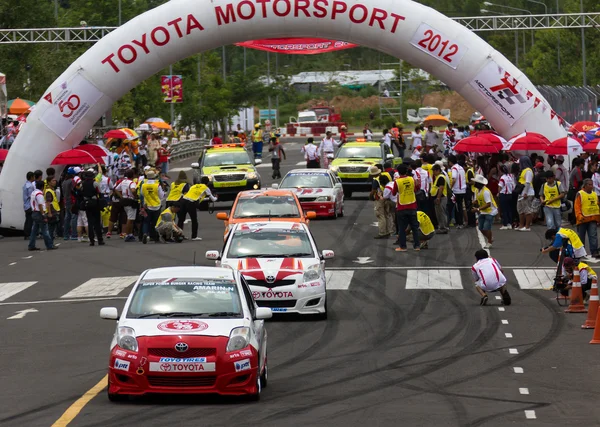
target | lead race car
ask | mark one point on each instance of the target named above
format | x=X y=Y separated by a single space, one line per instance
x=188 y=330
x=281 y=263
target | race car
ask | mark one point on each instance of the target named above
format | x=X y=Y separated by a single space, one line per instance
x=229 y=169
x=265 y=205
x=318 y=190
x=281 y=263
x=352 y=162
x=188 y=330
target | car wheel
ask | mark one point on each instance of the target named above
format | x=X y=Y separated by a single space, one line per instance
x=255 y=397
x=264 y=378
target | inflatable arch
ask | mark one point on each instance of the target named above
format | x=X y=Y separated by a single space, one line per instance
x=180 y=28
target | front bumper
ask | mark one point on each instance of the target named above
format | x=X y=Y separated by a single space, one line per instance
x=356 y=183
x=227 y=193
x=320 y=208
x=306 y=302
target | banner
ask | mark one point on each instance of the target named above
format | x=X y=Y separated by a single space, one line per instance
x=297 y=45
x=172 y=89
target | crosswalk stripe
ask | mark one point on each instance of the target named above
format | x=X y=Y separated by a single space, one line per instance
x=9 y=289
x=534 y=279
x=101 y=287
x=264 y=165
x=338 y=279
x=433 y=279
x=301 y=163
x=180 y=169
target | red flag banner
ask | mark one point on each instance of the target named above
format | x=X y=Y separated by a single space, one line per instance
x=298 y=45
x=172 y=88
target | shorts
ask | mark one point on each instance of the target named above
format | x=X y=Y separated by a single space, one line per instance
x=525 y=206
x=164 y=168
x=82 y=219
x=115 y=211
x=489 y=287
x=485 y=222
x=131 y=212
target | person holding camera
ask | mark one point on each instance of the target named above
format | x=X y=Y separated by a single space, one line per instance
x=564 y=238
x=39 y=218
x=586 y=275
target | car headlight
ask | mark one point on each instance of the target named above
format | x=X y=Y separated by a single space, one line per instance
x=313 y=273
x=238 y=339
x=323 y=199
x=334 y=168
x=251 y=175
x=126 y=338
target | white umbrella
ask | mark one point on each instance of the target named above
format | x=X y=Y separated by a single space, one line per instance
x=153 y=120
x=144 y=127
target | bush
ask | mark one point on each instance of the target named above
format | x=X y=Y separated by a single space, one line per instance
x=377 y=124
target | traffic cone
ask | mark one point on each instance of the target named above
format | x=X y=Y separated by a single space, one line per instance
x=590 y=322
x=576 y=303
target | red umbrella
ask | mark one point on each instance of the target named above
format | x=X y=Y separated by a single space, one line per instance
x=582 y=127
x=565 y=146
x=75 y=157
x=476 y=144
x=527 y=141
x=95 y=150
x=116 y=133
x=492 y=137
x=3 y=154
x=593 y=146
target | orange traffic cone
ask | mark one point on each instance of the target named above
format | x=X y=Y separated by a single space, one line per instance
x=590 y=322
x=576 y=305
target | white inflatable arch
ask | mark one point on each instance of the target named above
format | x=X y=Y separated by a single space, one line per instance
x=181 y=28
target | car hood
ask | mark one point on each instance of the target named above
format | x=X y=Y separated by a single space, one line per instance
x=227 y=169
x=205 y=327
x=367 y=161
x=275 y=268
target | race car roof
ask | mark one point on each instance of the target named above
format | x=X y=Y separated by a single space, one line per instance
x=362 y=144
x=265 y=192
x=270 y=225
x=309 y=171
x=196 y=272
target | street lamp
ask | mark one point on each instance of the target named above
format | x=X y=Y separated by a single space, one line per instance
x=487 y=3
x=539 y=2
x=516 y=32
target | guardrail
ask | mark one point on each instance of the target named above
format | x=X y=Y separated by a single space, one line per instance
x=188 y=148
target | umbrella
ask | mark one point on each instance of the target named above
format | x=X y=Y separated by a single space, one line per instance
x=582 y=127
x=75 y=157
x=436 y=120
x=161 y=125
x=154 y=120
x=593 y=146
x=527 y=141
x=19 y=106
x=131 y=133
x=124 y=133
x=476 y=144
x=565 y=146
x=95 y=150
x=143 y=127
x=3 y=154
x=492 y=137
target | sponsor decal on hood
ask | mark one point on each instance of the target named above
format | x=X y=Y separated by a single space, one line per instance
x=277 y=268
x=214 y=327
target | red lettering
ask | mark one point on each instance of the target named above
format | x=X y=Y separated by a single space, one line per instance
x=166 y=35
x=322 y=12
x=175 y=23
x=226 y=17
x=335 y=10
x=396 y=19
x=191 y=24
x=288 y=8
x=110 y=61
x=133 y=54
x=303 y=6
x=142 y=44
x=358 y=20
x=378 y=15
x=252 y=9
x=263 y=3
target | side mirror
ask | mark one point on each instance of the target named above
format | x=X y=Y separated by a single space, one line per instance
x=109 y=313
x=310 y=215
x=213 y=255
x=195 y=165
x=222 y=216
x=275 y=186
x=338 y=185
x=327 y=254
x=263 y=313
x=389 y=156
x=257 y=161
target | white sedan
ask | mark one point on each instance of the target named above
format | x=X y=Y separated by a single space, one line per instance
x=281 y=263
x=188 y=330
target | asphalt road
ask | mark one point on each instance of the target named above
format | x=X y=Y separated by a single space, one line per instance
x=393 y=351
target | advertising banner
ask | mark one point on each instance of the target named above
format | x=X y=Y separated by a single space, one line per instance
x=172 y=88
x=298 y=45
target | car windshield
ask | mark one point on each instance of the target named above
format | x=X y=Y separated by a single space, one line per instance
x=359 y=152
x=306 y=180
x=269 y=243
x=186 y=297
x=306 y=119
x=222 y=158
x=266 y=206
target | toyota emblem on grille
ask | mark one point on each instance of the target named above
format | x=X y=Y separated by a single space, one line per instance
x=181 y=347
x=270 y=279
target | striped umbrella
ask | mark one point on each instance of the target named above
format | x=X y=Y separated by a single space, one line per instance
x=565 y=146
x=593 y=146
x=19 y=106
x=491 y=136
x=527 y=141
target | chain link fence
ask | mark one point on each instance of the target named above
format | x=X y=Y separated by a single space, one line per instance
x=573 y=103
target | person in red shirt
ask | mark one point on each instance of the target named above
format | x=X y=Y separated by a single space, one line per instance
x=405 y=187
x=163 y=159
x=215 y=139
x=343 y=137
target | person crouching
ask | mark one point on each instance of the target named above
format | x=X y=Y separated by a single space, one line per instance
x=166 y=228
x=488 y=277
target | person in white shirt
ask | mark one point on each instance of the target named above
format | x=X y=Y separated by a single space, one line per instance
x=527 y=205
x=327 y=149
x=488 y=277
x=459 y=189
x=431 y=137
x=595 y=177
x=417 y=143
x=389 y=203
x=311 y=154
x=367 y=133
x=561 y=174
x=387 y=138
x=38 y=216
x=127 y=192
x=506 y=186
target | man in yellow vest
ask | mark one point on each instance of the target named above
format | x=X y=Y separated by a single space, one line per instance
x=257 y=141
x=178 y=189
x=191 y=202
x=152 y=194
x=586 y=274
x=426 y=229
x=406 y=208
x=166 y=228
x=587 y=214
x=486 y=208
x=551 y=196
x=566 y=239
x=52 y=205
x=439 y=195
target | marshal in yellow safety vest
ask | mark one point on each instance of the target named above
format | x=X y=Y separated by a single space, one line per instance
x=481 y=201
x=54 y=202
x=150 y=193
x=589 y=203
x=176 y=192
x=167 y=211
x=551 y=192
x=406 y=191
x=425 y=224
x=196 y=193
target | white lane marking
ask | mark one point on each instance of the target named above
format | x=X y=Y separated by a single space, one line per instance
x=9 y=289
x=338 y=280
x=263 y=165
x=513 y=351
x=507 y=335
x=497 y=297
x=301 y=163
x=482 y=240
x=52 y=301
x=518 y=370
x=433 y=279
x=22 y=313
x=534 y=279
x=180 y=169
x=524 y=390
x=501 y=309
x=363 y=260
x=504 y=322
x=101 y=287
x=530 y=415
x=12 y=263
x=28 y=257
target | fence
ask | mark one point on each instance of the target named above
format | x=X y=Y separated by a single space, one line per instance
x=573 y=103
x=189 y=148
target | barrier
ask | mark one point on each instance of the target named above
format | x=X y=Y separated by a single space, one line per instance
x=187 y=149
x=590 y=322
x=576 y=296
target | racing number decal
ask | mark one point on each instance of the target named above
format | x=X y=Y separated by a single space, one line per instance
x=434 y=43
x=71 y=105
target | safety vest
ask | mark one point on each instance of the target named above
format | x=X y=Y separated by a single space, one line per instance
x=522 y=176
x=196 y=192
x=425 y=224
x=55 y=205
x=550 y=192
x=574 y=239
x=481 y=201
x=273 y=135
x=584 y=266
x=388 y=175
x=427 y=167
x=166 y=211
x=257 y=135
x=406 y=190
x=150 y=193
x=589 y=203
x=469 y=175
x=434 y=187
x=176 y=192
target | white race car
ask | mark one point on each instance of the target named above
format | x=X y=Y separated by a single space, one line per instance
x=281 y=263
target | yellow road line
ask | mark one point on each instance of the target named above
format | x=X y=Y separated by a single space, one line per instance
x=76 y=407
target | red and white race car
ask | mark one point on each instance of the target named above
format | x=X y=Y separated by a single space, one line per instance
x=188 y=330
x=281 y=263
x=318 y=190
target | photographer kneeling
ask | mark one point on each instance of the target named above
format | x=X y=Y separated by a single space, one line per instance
x=586 y=274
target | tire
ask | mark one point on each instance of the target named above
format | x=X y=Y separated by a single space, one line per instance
x=264 y=378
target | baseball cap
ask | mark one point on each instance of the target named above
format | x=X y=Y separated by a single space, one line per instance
x=77 y=169
x=539 y=165
x=146 y=168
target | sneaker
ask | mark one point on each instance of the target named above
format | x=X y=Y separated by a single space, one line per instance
x=130 y=238
x=425 y=245
x=524 y=229
x=79 y=239
x=401 y=249
x=101 y=243
x=197 y=239
x=460 y=227
x=506 y=227
x=145 y=239
x=417 y=249
x=108 y=235
x=484 y=300
x=92 y=244
x=74 y=238
x=66 y=238
x=33 y=249
x=85 y=239
x=122 y=235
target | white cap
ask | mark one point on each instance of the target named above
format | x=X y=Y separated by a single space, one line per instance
x=77 y=169
x=163 y=142
x=91 y=170
x=147 y=167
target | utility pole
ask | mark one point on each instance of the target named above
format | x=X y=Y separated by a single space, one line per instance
x=199 y=62
x=269 y=82
x=583 y=70
x=172 y=105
